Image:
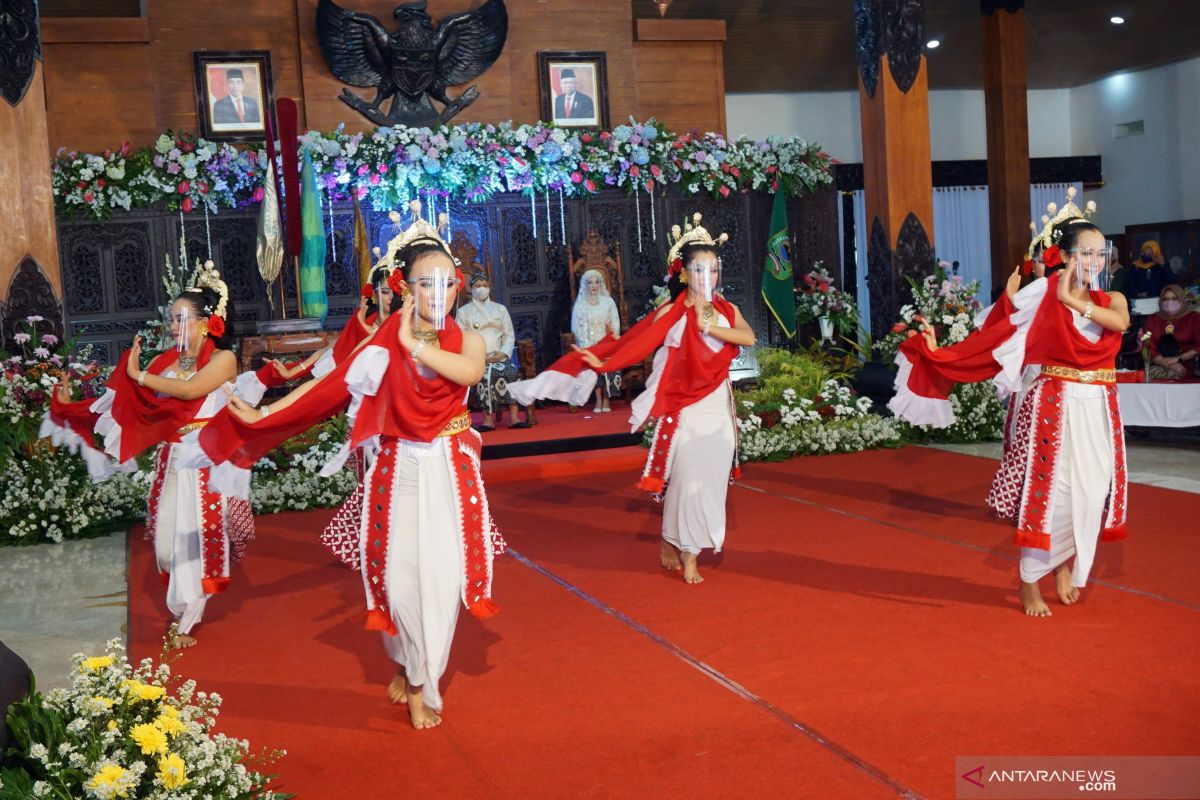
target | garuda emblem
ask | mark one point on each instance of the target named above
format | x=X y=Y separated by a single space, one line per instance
x=415 y=62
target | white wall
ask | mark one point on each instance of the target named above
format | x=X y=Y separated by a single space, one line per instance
x=956 y=121
x=1153 y=177
x=1149 y=178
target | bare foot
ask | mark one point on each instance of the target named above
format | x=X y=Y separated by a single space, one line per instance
x=182 y=640
x=398 y=689
x=1067 y=593
x=1031 y=599
x=690 y=573
x=668 y=556
x=422 y=717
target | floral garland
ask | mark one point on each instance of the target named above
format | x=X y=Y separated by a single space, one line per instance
x=126 y=732
x=472 y=161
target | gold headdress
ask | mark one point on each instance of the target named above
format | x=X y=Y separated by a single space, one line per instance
x=1054 y=219
x=691 y=233
x=420 y=230
x=207 y=277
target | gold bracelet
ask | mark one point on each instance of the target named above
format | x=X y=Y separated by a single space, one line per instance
x=1087 y=310
x=264 y=411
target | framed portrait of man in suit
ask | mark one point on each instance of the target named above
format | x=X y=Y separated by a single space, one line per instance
x=574 y=88
x=233 y=94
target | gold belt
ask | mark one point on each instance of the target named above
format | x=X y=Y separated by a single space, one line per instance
x=457 y=425
x=1081 y=375
x=191 y=426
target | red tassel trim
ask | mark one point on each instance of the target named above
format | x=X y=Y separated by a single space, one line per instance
x=737 y=472
x=165 y=577
x=214 y=585
x=379 y=621
x=650 y=484
x=1038 y=541
x=1114 y=534
x=483 y=609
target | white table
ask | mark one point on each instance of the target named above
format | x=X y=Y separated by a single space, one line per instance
x=1165 y=405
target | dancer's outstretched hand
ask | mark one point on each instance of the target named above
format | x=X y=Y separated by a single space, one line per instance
x=589 y=357
x=930 y=336
x=240 y=408
x=285 y=371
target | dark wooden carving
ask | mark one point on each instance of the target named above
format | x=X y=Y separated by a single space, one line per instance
x=867 y=42
x=112 y=270
x=903 y=28
x=880 y=281
x=415 y=62
x=20 y=47
x=912 y=260
x=30 y=294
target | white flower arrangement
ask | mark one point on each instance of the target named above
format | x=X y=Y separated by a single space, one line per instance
x=128 y=732
x=948 y=304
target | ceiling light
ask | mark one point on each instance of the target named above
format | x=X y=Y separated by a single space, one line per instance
x=933 y=44
x=1117 y=20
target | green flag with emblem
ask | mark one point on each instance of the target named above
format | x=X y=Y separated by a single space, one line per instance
x=777 y=288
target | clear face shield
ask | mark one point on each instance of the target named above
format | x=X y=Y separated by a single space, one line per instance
x=435 y=291
x=706 y=272
x=1091 y=266
x=184 y=326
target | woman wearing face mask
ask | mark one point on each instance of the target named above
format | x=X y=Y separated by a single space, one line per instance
x=593 y=318
x=427 y=538
x=1064 y=479
x=1173 y=323
x=1149 y=273
x=197 y=532
x=491 y=321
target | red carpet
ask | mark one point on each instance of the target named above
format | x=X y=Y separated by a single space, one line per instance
x=555 y=422
x=859 y=632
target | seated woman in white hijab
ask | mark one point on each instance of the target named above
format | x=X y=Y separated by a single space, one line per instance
x=594 y=317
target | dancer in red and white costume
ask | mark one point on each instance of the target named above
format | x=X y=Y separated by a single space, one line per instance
x=197 y=532
x=1063 y=479
x=426 y=540
x=688 y=394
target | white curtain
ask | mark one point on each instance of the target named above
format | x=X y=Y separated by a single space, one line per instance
x=962 y=233
x=860 y=259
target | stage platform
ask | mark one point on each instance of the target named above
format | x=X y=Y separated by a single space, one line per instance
x=860 y=630
x=558 y=431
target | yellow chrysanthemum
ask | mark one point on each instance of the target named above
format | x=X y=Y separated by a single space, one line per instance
x=169 y=725
x=148 y=737
x=171 y=771
x=112 y=724
x=144 y=691
x=107 y=702
x=106 y=782
x=97 y=663
x=168 y=710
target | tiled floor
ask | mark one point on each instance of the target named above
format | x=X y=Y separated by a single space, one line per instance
x=56 y=600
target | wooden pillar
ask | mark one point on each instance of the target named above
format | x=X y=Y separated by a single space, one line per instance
x=30 y=282
x=894 y=99
x=1004 y=87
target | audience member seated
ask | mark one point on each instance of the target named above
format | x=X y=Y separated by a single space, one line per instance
x=1174 y=336
x=1148 y=275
